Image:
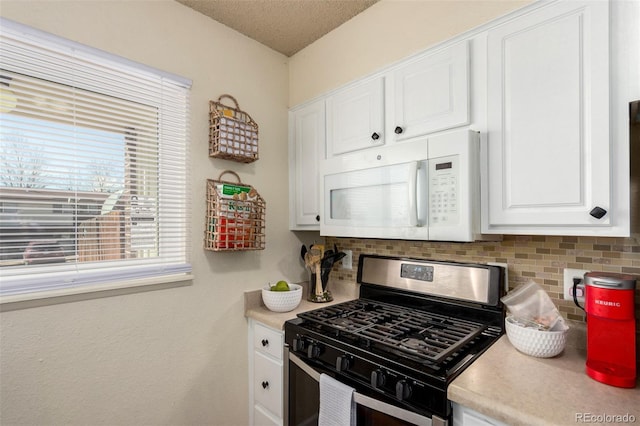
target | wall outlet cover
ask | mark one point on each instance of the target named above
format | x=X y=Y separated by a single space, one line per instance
x=569 y=275
x=347 y=261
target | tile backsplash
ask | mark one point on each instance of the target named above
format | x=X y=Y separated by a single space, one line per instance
x=538 y=258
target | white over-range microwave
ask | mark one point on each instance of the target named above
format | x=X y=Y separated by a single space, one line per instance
x=427 y=189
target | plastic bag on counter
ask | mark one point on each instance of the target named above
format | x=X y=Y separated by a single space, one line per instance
x=531 y=306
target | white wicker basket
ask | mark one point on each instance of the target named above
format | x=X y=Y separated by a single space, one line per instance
x=282 y=301
x=538 y=343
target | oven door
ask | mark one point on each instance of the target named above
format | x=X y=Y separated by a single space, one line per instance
x=302 y=396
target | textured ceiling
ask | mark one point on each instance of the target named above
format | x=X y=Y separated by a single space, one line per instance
x=284 y=25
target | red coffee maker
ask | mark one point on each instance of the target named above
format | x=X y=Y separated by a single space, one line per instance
x=611 y=330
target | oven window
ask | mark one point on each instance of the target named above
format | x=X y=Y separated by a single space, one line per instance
x=304 y=398
x=304 y=403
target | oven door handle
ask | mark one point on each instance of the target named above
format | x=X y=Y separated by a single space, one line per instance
x=372 y=403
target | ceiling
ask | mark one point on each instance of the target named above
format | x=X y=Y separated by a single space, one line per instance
x=286 y=26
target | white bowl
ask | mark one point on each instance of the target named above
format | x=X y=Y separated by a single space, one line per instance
x=282 y=301
x=538 y=343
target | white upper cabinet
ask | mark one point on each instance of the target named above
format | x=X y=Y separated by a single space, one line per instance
x=430 y=93
x=306 y=149
x=355 y=117
x=549 y=164
x=422 y=95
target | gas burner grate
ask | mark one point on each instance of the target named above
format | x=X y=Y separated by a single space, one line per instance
x=427 y=335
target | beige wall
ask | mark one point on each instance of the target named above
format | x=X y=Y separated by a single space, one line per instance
x=385 y=33
x=175 y=355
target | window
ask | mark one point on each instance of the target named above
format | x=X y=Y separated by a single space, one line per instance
x=93 y=166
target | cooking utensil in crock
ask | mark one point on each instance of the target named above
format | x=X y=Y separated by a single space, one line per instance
x=315 y=258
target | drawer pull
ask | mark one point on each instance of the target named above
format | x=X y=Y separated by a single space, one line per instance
x=265 y=342
x=265 y=385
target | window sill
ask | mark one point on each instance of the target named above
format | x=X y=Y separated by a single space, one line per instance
x=67 y=295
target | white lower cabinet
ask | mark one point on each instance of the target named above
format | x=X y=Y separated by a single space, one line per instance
x=465 y=416
x=263 y=418
x=266 y=384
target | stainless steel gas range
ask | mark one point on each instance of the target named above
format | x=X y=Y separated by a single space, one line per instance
x=416 y=325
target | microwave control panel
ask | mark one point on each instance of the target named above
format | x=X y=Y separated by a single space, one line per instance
x=444 y=179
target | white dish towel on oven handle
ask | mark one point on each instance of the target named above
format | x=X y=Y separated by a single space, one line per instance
x=337 y=405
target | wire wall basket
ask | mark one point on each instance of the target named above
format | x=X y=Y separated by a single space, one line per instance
x=233 y=135
x=235 y=217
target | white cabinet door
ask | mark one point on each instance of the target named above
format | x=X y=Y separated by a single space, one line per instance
x=431 y=93
x=355 y=117
x=267 y=383
x=264 y=418
x=306 y=148
x=548 y=119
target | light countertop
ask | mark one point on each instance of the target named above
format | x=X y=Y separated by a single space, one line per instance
x=254 y=306
x=518 y=389
x=507 y=385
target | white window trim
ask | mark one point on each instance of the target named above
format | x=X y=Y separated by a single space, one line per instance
x=142 y=284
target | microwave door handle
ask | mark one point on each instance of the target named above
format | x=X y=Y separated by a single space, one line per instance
x=413 y=193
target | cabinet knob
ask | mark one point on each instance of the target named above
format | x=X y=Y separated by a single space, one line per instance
x=265 y=342
x=375 y=136
x=265 y=385
x=318 y=218
x=598 y=212
x=398 y=130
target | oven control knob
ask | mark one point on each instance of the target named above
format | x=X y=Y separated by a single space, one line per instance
x=403 y=390
x=377 y=379
x=343 y=363
x=313 y=351
x=298 y=345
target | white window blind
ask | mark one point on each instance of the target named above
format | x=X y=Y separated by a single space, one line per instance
x=94 y=166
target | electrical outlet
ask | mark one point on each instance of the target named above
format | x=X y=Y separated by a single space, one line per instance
x=569 y=275
x=347 y=261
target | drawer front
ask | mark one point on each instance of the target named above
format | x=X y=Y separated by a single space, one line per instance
x=268 y=340
x=262 y=418
x=267 y=386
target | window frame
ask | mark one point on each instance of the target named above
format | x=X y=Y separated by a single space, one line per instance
x=25 y=283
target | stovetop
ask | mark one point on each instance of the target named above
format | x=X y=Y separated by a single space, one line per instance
x=425 y=337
